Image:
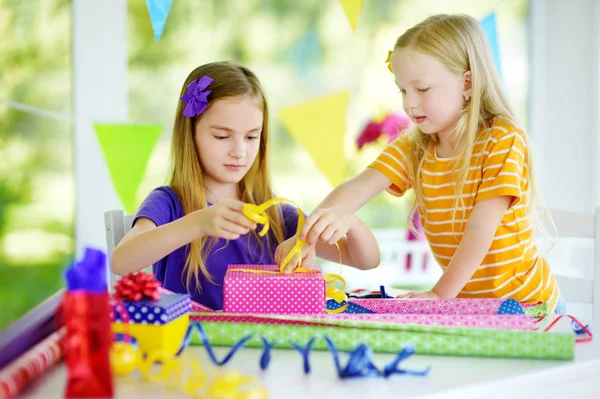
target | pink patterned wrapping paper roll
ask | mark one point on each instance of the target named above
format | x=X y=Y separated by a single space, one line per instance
x=457 y=306
x=497 y=322
x=16 y=376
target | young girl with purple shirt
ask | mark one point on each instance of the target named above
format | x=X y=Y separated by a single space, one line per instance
x=193 y=228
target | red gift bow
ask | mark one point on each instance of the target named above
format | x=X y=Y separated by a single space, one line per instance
x=136 y=286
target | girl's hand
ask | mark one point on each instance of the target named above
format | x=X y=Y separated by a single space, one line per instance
x=327 y=225
x=224 y=220
x=419 y=295
x=308 y=254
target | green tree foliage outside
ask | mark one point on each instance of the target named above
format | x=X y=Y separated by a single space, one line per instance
x=299 y=49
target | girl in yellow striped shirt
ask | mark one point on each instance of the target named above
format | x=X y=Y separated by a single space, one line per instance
x=466 y=142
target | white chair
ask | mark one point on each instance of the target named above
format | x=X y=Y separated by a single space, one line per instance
x=396 y=248
x=392 y=270
x=116 y=224
x=579 y=290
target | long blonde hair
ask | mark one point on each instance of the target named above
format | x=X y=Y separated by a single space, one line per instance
x=187 y=178
x=458 y=42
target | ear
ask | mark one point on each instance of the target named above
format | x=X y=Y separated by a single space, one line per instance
x=467 y=84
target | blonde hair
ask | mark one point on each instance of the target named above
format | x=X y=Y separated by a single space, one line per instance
x=187 y=178
x=458 y=42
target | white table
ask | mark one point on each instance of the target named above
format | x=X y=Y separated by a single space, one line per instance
x=450 y=377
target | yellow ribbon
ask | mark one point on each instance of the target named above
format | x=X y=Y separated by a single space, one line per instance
x=258 y=214
x=187 y=376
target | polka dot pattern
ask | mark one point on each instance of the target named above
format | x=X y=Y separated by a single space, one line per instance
x=510 y=306
x=255 y=293
x=195 y=307
x=165 y=309
x=352 y=307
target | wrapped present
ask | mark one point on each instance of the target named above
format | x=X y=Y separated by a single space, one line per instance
x=17 y=375
x=540 y=309
x=228 y=330
x=88 y=336
x=456 y=306
x=158 y=322
x=195 y=307
x=262 y=289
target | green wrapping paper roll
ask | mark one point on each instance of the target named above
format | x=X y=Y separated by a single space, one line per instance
x=391 y=338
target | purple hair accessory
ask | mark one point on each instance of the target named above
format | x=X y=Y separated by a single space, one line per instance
x=196 y=98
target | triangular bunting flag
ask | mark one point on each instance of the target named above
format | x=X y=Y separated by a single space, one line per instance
x=352 y=11
x=306 y=52
x=491 y=32
x=127 y=149
x=319 y=126
x=159 y=11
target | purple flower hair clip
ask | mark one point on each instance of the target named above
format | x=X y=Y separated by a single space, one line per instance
x=196 y=98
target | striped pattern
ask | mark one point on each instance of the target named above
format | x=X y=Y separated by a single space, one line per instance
x=26 y=369
x=513 y=267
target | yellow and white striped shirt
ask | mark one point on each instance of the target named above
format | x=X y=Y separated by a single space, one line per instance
x=513 y=267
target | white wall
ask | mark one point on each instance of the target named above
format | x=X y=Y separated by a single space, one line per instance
x=564 y=101
x=99 y=94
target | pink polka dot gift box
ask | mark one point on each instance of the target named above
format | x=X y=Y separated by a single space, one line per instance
x=262 y=289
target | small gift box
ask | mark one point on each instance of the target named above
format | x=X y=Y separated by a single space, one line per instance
x=156 y=312
x=540 y=309
x=158 y=322
x=262 y=289
x=195 y=307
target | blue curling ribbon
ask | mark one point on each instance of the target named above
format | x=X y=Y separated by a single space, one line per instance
x=577 y=329
x=383 y=293
x=305 y=351
x=359 y=364
x=392 y=367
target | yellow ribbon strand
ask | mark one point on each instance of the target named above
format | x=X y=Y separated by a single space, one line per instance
x=296 y=270
x=185 y=375
x=258 y=214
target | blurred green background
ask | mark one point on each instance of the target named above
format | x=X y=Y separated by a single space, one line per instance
x=299 y=49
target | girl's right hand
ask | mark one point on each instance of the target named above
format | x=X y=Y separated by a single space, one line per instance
x=327 y=225
x=224 y=220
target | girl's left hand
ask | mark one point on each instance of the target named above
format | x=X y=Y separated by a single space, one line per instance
x=419 y=295
x=308 y=254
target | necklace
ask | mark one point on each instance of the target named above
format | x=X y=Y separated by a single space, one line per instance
x=213 y=194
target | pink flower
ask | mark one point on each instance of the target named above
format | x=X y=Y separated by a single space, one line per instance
x=391 y=127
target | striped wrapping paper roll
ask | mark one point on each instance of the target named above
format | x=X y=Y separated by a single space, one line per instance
x=17 y=375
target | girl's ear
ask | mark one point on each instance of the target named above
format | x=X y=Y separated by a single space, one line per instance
x=467 y=84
